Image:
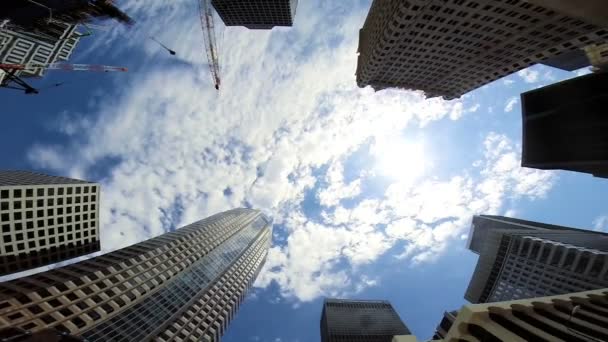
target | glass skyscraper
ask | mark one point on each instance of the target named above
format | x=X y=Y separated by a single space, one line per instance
x=183 y=285
x=346 y=320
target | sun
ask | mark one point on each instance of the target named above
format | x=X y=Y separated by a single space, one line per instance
x=400 y=159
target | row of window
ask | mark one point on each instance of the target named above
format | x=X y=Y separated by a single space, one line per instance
x=50 y=202
x=20 y=193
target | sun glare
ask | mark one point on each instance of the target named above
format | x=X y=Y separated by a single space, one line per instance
x=400 y=159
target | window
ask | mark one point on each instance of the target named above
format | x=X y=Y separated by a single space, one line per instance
x=29 y=204
x=40 y=192
x=17 y=193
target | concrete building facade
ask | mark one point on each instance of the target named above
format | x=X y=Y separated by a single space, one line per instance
x=45 y=219
x=523 y=259
x=18 y=47
x=256 y=14
x=449 y=317
x=182 y=285
x=573 y=317
x=344 y=320
x=449 y=48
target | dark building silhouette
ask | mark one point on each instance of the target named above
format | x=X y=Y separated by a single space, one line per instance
x=256 y=14
x=448 y=48
x=45 y=219
x=45 y=335
x=35 y=16
x=185 y=285
x=565 y=125
x=521 y=259
x=446 y=323
x=360 y=320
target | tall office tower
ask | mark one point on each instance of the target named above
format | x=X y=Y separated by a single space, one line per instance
x=573 y=317
x=256 y=14
x=180 y=286
x=18 y=47
x=449 y=48
x=446 y=323
x=565 y=125
x=524 y=259
x=360 y=320
x=45 y=219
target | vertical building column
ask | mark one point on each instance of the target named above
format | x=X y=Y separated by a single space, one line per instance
x=592 y=259
x=551 y=253
x=560 y=264
x=604 y=269
x=577 y=259
x=540 y=252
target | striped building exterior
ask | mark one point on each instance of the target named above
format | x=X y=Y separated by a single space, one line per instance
x=448 y=48
x=45 y=219
x=182 y=285
x=521 y=259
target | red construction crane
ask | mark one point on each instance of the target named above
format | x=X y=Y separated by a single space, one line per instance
x=63 y=66
x=10 y=73
x=211 y=50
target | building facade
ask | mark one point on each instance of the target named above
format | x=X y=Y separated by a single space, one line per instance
x=521 y=259
x=564 y=125
x=182 y=285
x=446 y=323
x=344 y=320
x=45 y=219
x=449 y=48
x=256 y=14
x=574 y=317
x=18 y=47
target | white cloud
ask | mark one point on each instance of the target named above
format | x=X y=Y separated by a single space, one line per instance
x=474 y=108
x=601 y=223
x=528 y=75
x=511 y=102
x=176 y=151
x=507 y=81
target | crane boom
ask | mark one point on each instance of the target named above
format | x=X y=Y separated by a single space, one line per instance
x=64 y=66
x=208 y=27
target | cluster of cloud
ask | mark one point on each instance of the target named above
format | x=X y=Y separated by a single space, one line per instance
x=289 y=106
x=601 y=223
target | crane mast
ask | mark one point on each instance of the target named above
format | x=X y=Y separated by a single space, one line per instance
x=63 y=66
x=211 y=50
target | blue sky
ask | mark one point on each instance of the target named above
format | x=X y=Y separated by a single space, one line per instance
x=372 y=194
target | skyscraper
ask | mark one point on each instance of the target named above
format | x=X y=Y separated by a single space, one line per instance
x=256 y=14
x=345 y=320
x=45 y=219
x=182 y=285
x=446 y=323
x=18 y=47
x=449 y=48
x=524 y=259
x=565 y=125
x=572 y=317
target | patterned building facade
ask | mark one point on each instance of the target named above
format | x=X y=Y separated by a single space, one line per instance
x=256 y=14
x=18 y=47
x=45 y=219
x=182 y=285
x=344 y=320
x=573 y=317
x=448 y=48
x=521 y=259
